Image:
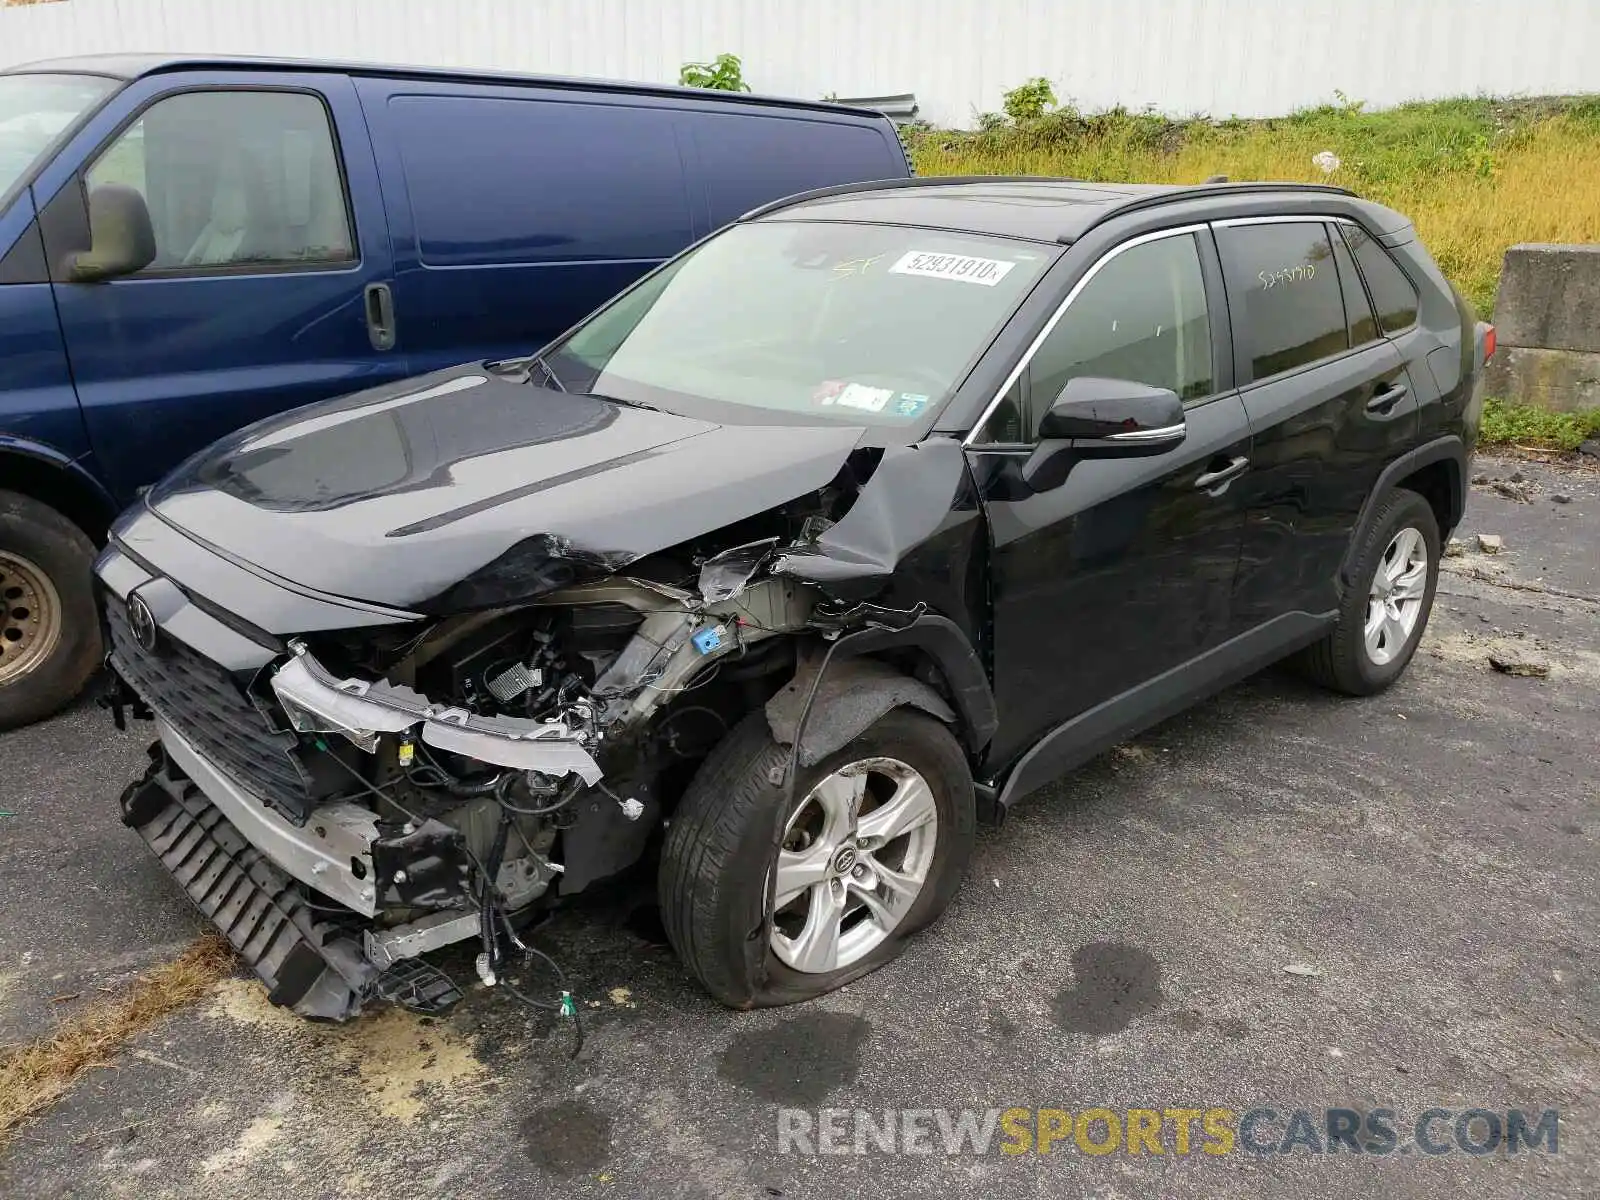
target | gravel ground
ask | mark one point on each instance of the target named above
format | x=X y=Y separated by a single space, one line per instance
x=1428 y=856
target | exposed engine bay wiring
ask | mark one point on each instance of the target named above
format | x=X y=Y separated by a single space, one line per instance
x=492 y=916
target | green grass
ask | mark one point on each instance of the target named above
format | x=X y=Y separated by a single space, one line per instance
x=1523 y=425
x=1475 y=175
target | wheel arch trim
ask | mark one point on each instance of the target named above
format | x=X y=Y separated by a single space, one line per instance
x=1448 y=448
x=90 y=506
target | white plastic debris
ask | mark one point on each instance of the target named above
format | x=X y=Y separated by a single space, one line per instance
x=1326 y=161
x=1304 y=970
x=632 y=809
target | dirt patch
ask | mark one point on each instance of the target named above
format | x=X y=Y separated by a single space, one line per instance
x=37 y=1074
x=402 y=1065
x=257 y=1138
x=1477 y=650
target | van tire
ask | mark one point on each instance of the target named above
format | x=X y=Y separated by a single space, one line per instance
x=1340 y=660
x=35 y=538
x=724 y=836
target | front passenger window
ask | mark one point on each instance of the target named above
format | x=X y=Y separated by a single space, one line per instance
x=234 y=178
x=1141 y=317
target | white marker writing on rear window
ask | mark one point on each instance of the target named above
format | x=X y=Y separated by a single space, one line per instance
x=962 y=267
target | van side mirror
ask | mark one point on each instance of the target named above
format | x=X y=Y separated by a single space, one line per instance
x=121 y=239
x=1103 y=418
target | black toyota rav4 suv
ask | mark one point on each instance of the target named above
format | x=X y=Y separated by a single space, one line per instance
x=844 y=530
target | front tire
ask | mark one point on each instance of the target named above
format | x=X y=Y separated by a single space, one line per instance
x=768 y=902
x=49 y=625
x=1383 y=617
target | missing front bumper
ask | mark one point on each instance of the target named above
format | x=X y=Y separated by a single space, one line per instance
x=310 y=962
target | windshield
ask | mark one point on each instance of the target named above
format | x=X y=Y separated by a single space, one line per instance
x=870 y=324
x=33 y=110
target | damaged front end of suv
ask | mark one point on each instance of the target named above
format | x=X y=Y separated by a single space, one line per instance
x=342 y=787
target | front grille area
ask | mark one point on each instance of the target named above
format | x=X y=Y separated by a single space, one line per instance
x=205 y=705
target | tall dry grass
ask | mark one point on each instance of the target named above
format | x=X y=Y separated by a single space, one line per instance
x=1474 y=175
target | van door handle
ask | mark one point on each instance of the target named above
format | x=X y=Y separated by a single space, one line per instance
x=1217 y=481
x=380 y=316
x=1385 y=400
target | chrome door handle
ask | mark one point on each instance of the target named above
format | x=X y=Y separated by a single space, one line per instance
x=1220 y=478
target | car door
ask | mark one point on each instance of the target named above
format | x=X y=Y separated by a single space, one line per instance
x=272 y=259
x=1123 y=571
x=1329 y=403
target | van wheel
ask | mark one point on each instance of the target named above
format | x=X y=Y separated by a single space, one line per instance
x=49 y=626
x=1386 y=611
x=769 y=901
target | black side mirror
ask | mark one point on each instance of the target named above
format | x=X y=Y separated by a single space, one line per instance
x=121 y=240
x=1103 y=418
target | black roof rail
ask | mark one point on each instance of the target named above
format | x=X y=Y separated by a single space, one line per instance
x=1137 y=203
x=886 y=185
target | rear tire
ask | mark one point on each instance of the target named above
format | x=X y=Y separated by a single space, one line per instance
x=49 y=625
x=719 y=862
x=1348 y=660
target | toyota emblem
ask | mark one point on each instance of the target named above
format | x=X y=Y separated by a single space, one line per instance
x=142 y=624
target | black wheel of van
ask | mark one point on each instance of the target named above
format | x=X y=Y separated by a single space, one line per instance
x=49 y=627
x=771 y=901
x=1386 y=610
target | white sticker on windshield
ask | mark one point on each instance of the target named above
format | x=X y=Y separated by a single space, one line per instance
x=859 y=395
x=966 y=268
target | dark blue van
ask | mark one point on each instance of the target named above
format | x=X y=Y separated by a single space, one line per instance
x=187 y=245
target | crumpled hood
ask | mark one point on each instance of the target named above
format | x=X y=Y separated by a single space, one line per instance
x=396 y=495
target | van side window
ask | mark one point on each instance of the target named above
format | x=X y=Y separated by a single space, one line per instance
x=1293 y=308
x=1393 y=295
x=509 y=179
x=234 y=178
x=1141 y=317
x=747 y=160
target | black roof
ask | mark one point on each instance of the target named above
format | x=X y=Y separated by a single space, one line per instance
x=1038 y=209
x=135 y=66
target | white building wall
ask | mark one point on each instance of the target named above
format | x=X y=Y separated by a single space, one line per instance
x=1222 y=57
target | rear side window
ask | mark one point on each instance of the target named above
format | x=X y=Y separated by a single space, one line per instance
x=1392 y=293
x=234 y=179
x=498 y=179
x=750 y=159
x=1357 y=311
x=1293 y=308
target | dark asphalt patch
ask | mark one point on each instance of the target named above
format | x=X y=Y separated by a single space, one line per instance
x=799 y=1061
x=1113 y=985
x=567 y=1138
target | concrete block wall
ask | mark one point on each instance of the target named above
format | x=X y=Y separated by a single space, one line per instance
x=1547 y=320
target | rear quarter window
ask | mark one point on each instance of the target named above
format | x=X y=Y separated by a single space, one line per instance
x=508 y=179
x=749 y=159
x=1293 y=310
x=1393 y=295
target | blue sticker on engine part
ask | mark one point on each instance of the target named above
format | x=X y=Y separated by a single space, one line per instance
x=708 y=640
x=910 y=404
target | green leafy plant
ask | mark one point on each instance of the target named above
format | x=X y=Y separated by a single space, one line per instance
x=1029 y=101
x=1524 y=425
x=725 y=73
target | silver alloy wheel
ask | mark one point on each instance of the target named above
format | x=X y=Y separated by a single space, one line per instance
x=1394 y=602
x=855 y=855
x=30 y=617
